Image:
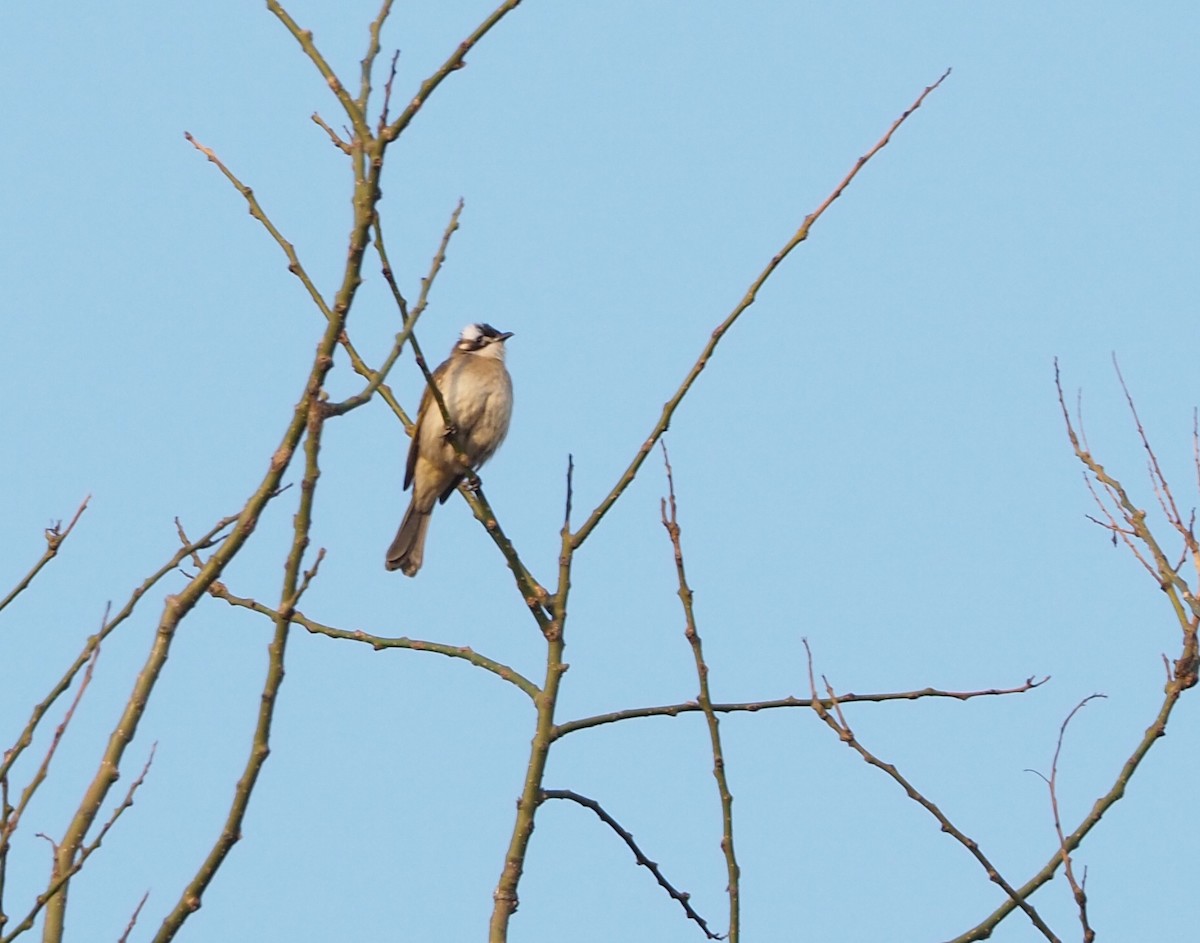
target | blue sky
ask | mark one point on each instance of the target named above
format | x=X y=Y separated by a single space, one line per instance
x=874 y=459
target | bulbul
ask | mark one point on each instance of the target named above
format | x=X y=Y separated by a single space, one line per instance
x=477 y=391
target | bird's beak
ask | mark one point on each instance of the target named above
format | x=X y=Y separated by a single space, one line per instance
x=505 y=336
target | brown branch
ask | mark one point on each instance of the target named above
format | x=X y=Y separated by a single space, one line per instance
x=387 y=93
x=55 y=535
x=1077 y=890
x=334 y=137
x=453 y=63
x=376 y=377
x=258 y=213
x=12 y=817
x=39 y=711
x=295 y=583
x=177 y=607
x=1183 y=600
x=505 y=899
x=836 y=721
x=672 y=710
x=133 y=918
x=652 y=866
x=1157 y=478
x=67 y=867
x=721 y=329
x=1180 y=677
x=671 y=523
x=368 y=61
x=382 y=643
x=305 y=38
x=1156 y=731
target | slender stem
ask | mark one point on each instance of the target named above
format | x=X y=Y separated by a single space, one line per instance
x=704 y=699
x=687 y=707
x=683 y=898
x=25 y=738
x=305 y=38
x=55 y=536
x=721 y=329
x=259 y=213
x=191 y=898
x=453 y=63
x=1181 y=676
x=984 y=929
x=505 y=898
x=368 y=62
x=836 y=721
x=381 y=643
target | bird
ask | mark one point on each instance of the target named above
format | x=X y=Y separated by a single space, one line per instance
x=477 y=390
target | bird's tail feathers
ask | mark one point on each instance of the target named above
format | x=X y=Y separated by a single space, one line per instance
x=408 y=549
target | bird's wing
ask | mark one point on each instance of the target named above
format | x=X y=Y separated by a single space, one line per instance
x=414 y=446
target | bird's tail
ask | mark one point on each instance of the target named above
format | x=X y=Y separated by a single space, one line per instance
x=408 y=549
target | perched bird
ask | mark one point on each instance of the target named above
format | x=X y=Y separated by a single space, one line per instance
x=477 y=391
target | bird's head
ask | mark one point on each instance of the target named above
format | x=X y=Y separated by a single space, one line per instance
x=482 y=340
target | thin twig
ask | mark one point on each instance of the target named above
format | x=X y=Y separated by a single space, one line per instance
x=39 y=711
x=377 y=377
x=66 y=868
x=305 y=38
x=1077 y=890
x=625 y=836
x=258 y=213
x=686 y=597
x=566 y=528
x=12 y=820
x=672 y=710
x=368 y=61
x=55 y=535
x=387 y=93
x=836 y=721
x=719 y=332
x=1157 y=478
x=295 y=582
x=382 y=643
x=453 y=63
x=133 y=918
x=334 y=137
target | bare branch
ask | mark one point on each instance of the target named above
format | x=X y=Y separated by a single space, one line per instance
x=305 y=38
x=12 y=818
x=672 y=710
x=456 y=61
x=381 y=643
x=258 y=213
x=334 y=137
x=55 y=535
x=836 y=722
x=39 y=711
x=70 y=861
x=1128 y=521
x=368 y=61
x=719 y=332
x=671 y=523
x=133 y=918
x=1077 y=890
x=652 y=866
x=377 y=377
